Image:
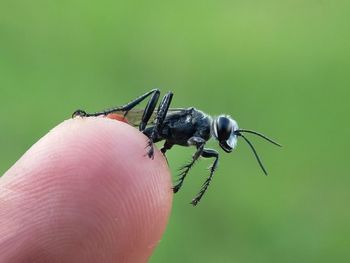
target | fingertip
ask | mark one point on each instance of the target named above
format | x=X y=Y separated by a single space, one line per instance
x=93 y=176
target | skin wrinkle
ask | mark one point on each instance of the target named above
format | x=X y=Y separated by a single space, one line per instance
x=85 y=192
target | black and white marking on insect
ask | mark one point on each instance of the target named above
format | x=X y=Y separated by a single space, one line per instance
x=185 y=127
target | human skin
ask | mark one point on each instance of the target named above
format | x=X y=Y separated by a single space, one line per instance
x=85 y=192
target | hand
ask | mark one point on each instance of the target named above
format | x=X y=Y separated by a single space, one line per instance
x=85 y=192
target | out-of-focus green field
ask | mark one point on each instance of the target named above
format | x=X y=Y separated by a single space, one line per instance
x=279 y=67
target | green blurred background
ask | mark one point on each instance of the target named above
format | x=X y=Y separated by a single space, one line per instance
x=279 y=67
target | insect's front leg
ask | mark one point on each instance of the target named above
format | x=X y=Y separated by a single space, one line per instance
x=161 y=114
x=146 y=114
x=199 y=143
x=207 y=153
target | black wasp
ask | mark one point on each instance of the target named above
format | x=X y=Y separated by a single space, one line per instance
x=182 y=126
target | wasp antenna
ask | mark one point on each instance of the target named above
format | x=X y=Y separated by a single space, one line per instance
x=254 y=151
x=260 y=135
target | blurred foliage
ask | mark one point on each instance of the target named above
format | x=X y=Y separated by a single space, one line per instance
x=279 y=67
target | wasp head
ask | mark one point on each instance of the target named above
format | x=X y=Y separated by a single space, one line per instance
x=224 y=128
x=226 y=131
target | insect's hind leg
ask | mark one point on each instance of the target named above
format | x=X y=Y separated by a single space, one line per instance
x=125 y=108
x=161 y=114
x=147 y=113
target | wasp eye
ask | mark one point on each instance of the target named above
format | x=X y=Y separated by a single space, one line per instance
x=224 y=128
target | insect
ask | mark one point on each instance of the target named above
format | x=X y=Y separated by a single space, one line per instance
x=182 y=126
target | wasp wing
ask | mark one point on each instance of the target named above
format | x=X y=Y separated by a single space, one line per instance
x=134 y=116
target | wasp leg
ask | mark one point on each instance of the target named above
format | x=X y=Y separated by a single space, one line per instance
x=161 y=114
x=166 y=146
x=199 y=143
x=207 y=153
x=147 y=113
x=125 y=108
